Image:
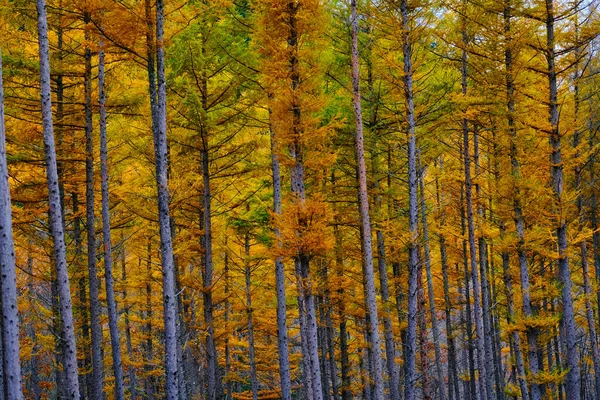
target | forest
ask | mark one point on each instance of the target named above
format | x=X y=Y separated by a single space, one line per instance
x=300 y=199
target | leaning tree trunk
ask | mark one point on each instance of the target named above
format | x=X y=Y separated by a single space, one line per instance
x=113 y=321
x=572 y=379
x=370 y=295
x=56 y=226
x=159 y=127
x=282 y=333
x=8 y=283
x=95 y=308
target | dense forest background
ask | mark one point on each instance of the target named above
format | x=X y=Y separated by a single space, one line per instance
x=308 y=199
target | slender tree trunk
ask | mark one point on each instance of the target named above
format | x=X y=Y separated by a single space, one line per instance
x=484 y=382
x=344 y=352
x=518 y=211
x=282 y=333
x=370 y=295
x=572 y=379
x=128 y=342
x=108 y=260
x=587 y=285
x=95 y=308
x=56 y=225
x=251 y=351
x=10 y=317
x=31 y=332
x=159 y=126
x=413 y=262
x=302 y=260
x=431 y=295
x=149 y=345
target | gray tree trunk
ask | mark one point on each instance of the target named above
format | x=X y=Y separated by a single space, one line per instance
x=431 y=295
x=282 y=333
x=95 y=308
x=363 y=197
x=10 y=312
x=413 y=262
x=518 y=216
x=128 y=342
x=166 y=245
x=251 y=350
x=56 y=226
x=302 y=260
x=572 y=379
x=113 y=321
x=587 y=285
x=485 y=389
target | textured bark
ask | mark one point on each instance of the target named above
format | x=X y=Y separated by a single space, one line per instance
x=453 y=386
x=302 y=260
x=370 y=295
x=113 y=321
x=431 y=295
x=535 y=392
x=587 y=285
x=56 y=218
x=572 y=379
x=344 y=355
x=485 y=389
x=159 y=127
x=207 y=275
x=128 y=343
x=250 y=323
x=34 y=387
x=150 y=387
x=85 y=379
x=94 y=284
x=282 y=333
x=8 y=284
x=410 y=376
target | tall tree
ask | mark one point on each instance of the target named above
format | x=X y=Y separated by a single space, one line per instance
x=11 y=358
x=69 y=356
x=363 y=199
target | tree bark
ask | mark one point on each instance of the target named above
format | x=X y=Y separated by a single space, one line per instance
x=282 y=333
x=431 y=295
x=159 y=127
x=95 y=308
x=251 y=350
x=572 y=379
x=484 y=382
x=370 y=295
x=10 y=313
x=56 y=226
x=413 y=262
x=113 y=321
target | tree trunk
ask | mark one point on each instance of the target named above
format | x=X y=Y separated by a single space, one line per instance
x=302 y=260
x=108 y=260
x=431 y=295
x=413 y=262
x=56 y=226
x=126 y=306
x=150 y=388
x=484 y=382
x=370 y=295
x=282 y=333
x=251 y=356
x=95 y=308
x=572 y=379
x=10 y=317
x=159 y=127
